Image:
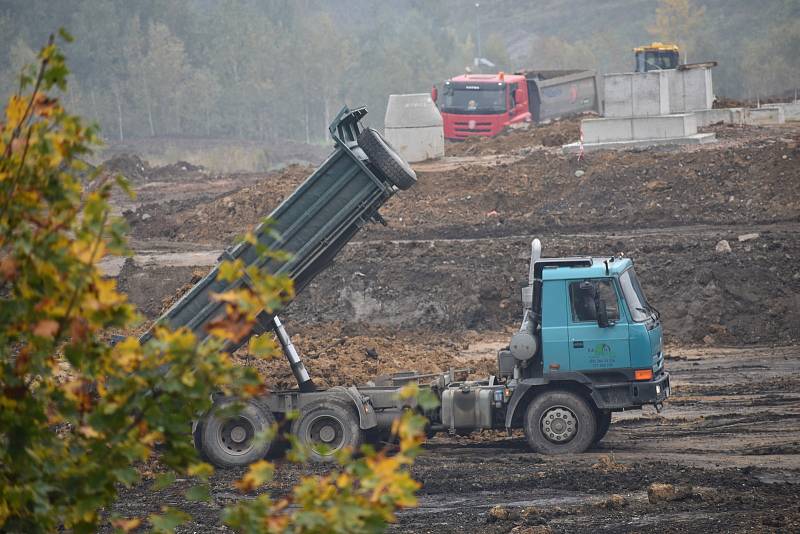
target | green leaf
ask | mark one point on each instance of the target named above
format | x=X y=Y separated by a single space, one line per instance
x=126 y=475
x=201 y=492
x=65 y=35
x=123 y=184
x=168 y=519
x=262 y=346
x=163 y=480
x=229 y=271
x=427 y=400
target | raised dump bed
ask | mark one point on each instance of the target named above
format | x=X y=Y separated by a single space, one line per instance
x=312 y=224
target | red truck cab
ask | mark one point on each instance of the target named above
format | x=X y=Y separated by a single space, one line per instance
x=482 y=104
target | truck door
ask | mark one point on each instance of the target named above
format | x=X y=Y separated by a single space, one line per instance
x=592 y=348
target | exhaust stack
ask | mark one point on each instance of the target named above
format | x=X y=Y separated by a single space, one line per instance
x=536 y=255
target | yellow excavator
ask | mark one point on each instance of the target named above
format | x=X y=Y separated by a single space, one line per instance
x=657 y=56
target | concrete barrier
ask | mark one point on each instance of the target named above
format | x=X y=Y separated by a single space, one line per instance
x=609 y=129
x=690 y=89
x=636 y=94
x=791 y=110
x=707 y=117
x=413 y=126
x=764 y=116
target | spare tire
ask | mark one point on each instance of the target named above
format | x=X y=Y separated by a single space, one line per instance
x=384 y=158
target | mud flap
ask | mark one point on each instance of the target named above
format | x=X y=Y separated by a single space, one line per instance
x=366 y=413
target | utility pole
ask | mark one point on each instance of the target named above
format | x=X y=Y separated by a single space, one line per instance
x=478 y=25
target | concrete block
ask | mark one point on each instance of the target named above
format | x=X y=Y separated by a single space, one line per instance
x=634 y=94
x=609 y=129
x=417 y=144
x=413 y=126
x=791 y=110
x=706 y=117
x=411 y=111
x=696 y=139
x=604 y=129
x=690 y=89
x=763 y=116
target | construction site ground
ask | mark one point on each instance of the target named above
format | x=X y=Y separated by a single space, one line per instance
x=713 y=231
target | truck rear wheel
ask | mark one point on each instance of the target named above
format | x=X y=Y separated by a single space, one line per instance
x=326 y=427
x=603 y=424
x=560 y=422
x=229 y=437
x=385 y=158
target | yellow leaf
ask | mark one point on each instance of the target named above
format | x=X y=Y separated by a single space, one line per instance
x=230 y=270
x=188 y=379
x=89 y=432
x=126 y=525
x=201 y=469
x=15 y=110
x=258 y=473
x=262 y=346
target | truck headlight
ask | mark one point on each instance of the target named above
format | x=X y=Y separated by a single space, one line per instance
x=658 y=390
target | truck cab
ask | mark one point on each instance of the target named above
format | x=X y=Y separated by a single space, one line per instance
x=485 y=104
x=482 y=104
x=596 y=321
x=590 y=344
x=656 y=56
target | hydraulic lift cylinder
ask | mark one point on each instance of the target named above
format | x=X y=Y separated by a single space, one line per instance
x=299 y=370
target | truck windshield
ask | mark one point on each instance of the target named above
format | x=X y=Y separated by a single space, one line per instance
x=634 y=296
x=474 y=99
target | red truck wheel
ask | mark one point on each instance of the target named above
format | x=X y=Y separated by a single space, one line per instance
x=560 y=422
x=386 y=160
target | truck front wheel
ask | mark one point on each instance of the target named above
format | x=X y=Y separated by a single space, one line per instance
x=603 y=424
x=560 y=422
x=231 y=436
x=326 y=427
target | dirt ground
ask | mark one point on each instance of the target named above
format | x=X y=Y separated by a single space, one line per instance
x=439 y=288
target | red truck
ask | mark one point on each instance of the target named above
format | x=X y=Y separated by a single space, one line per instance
x=485 y=104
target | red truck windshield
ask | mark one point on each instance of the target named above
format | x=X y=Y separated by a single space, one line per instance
x=474 y=99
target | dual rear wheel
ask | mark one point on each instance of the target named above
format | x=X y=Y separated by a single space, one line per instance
x=237 y=433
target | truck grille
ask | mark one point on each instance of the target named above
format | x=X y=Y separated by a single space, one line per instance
x=462 y=128
x=658 y=361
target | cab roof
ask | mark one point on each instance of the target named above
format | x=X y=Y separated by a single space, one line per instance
x=487 y=78
x=582 y=267
x=659 y=47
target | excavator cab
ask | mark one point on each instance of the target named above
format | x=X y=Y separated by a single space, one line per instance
x=656 y=56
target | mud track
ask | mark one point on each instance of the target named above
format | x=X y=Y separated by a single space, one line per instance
x=736 y=446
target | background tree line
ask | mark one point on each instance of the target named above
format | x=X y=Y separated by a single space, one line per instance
x=277 y=69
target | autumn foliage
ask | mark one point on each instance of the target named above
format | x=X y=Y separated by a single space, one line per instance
x=77 y=416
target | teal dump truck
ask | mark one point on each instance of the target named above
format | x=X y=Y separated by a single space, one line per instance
x=589 y=343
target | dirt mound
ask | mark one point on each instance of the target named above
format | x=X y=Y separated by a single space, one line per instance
x=755 y=182
x=341 y=354
x=512 y=140
x=130 y=166
x=749 y=178
x=745 y=296
x=136 y=170
x=218 y=220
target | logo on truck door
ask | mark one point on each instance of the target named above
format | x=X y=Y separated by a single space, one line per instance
x=601 y=348
x=602 y=356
